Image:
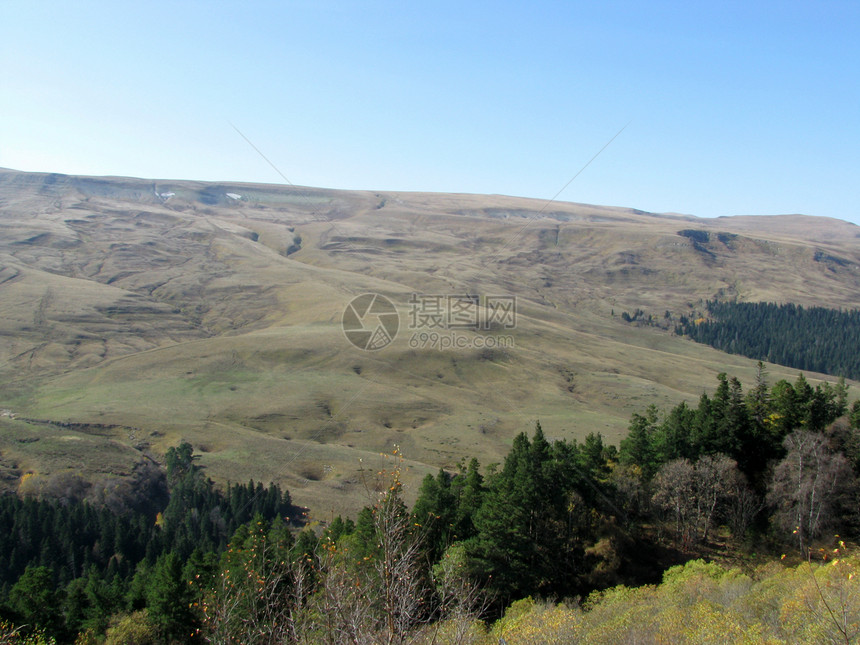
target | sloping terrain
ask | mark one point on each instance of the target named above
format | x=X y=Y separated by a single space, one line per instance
x=137 y=313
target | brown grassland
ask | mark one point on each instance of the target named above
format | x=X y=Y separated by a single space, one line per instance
x=138 y=313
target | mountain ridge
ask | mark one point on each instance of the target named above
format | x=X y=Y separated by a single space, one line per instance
x=278 y=187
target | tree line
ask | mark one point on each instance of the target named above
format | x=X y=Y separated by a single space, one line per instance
x=814 y=339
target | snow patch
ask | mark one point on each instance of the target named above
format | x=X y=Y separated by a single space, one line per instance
x=234 y=196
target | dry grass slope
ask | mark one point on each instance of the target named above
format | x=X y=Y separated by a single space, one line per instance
x=157 y=311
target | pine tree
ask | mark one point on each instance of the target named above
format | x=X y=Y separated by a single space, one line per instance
x=529 y=528
x=787 y=412
x=673 y=438
x=468 y=491
x=435 y=511
x=639 y=445
x=168 y=598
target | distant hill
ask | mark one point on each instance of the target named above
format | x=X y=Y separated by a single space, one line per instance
x=139 y=312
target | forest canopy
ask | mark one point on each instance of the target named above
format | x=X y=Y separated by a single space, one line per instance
x=814 y=339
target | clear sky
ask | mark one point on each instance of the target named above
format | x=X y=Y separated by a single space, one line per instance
x=746 y=107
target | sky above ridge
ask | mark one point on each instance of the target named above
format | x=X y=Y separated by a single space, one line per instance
x=730 y=107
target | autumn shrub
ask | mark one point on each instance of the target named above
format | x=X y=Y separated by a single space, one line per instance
x=816 y=601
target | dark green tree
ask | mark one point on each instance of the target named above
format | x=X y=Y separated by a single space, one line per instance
x=168 y=599
x=594 y=456
x=468 y=491
x=672 y=439
x=787 y=410
x=639 y=446
x=179 y=461
x=435 y=511
x=338 y=528
x=35 y=600
x=529 y=529
x=704 y=434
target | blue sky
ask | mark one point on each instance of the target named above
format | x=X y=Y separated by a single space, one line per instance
x=733 y=107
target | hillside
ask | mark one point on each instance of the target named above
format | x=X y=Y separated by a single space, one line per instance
x=137 y=313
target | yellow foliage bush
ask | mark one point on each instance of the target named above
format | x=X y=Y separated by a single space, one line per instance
x=132 y=628
x=701 y=602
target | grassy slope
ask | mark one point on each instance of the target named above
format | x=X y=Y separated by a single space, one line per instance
x=186 y=319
